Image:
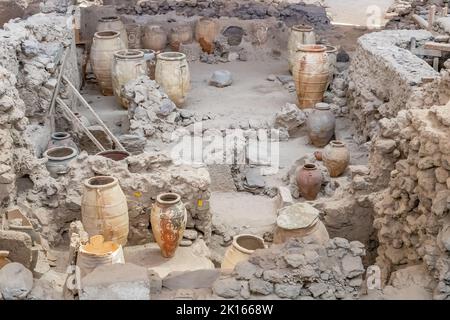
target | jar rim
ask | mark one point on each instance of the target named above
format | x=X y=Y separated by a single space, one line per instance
x=100 y=182
x=48 y=153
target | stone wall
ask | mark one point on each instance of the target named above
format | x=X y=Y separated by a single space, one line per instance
x=291 y=13
x=385 y=77
x=297 y=270
x=412 y=212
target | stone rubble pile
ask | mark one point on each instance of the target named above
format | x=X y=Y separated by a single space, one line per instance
x=297 y=270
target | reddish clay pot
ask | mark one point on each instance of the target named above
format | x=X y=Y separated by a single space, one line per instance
x=309 y=181
x=318 y=155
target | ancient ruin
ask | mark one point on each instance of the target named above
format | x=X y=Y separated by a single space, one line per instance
x=226 y=149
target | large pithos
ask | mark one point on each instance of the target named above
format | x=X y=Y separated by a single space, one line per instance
x=299 y=35
x=104 y=209
x=127 y=65
x=168 y=219
x=113 y=23
x=172 y=73
x=311 y=74
x=104 y=45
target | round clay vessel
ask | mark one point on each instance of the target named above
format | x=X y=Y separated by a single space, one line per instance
x=299 y=35
x=336 y=158
x=58 y=159
x=309 y=181
x=300 y=220
x=240 y=250
x=127 y=65
x=168 y=219
x=134 y=33
x=320 y=125
x=206 y=31
x=61 y=139
x=318 y=155
x=154 y=37
x=104 y=45
x=172 y=73
x=311 y=75
x=332 y=60
x=104 y=209
x=116 y=155
x=113 y=23
x=181 y=34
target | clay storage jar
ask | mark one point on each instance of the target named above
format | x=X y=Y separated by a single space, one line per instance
x=332 y=60
x=336 y=158
x=300 y=220
x=58 y=159
x=154 y=37
x=127 y=65
x=113 y=23
x=242 y=247
x=172 y=73
x=311 y=75
x=180 y=35
x=104 y=209
x=206 y=31
x=134 y=33
x=98 y=252
x=61 y=139
x=309 y=181
x=299 y=35
x=320 y=125
x=104 y=45
x=168 y=219
x=116 y=155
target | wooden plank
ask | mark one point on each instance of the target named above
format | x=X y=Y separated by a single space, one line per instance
x=86 y=130
x=427 y=52
x=420 y=21
x=51 y=110
x=100 y=121
x=431 y=17
x=437 y=46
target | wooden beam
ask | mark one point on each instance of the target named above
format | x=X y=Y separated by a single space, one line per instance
x=77 y=120
x=420 y=21
x=437 y=46
x=431 y=17
x=51 y=110
x=100 y=121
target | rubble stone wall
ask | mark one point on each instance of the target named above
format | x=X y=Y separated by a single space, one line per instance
x=297 y=270
x=412 y=217
x=385 y=77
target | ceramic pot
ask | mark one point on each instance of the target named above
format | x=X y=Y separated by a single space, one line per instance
x=300 y=220
x=104 y=45
x=127 y=65
x=116 y=155
x=311 y=75
x=98 y=252
x=134 y=34
x=242 y=247
x=154 y=38
x=104 y=209
x=113 y=23
x=4 y=258
x=180 y=35
x=332 y=60
x=61 y=139
x=58 y=159
x=336 y=158
x=168 y=219
x=320 y=125
x=206 y=31
x=318 y=155
x=299 y=35
x=172 y=73
x=309 y=181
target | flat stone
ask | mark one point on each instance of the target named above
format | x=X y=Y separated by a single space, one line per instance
x=116 y=282
x=318 y=289
x=16 y=281
x=19 y=245
x=190 y=234
x=260 y=286
x=227 y=288
x=186 y=243
x=352 y=266
x=191 y=279
x=254 y=178
x=287 y=290
x=285 y=79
